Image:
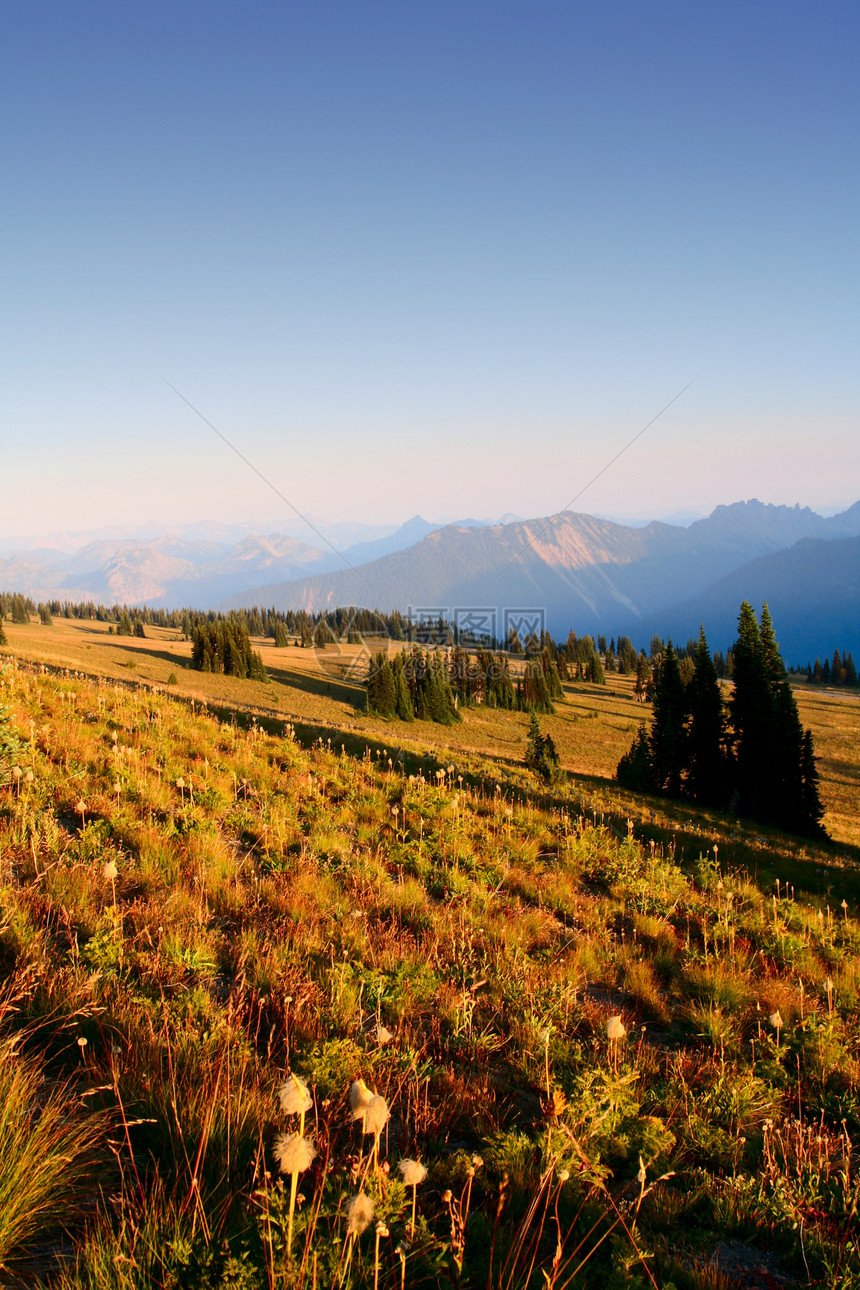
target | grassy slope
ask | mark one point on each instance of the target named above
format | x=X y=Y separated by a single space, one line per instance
x=274 y=905
x=592 y=728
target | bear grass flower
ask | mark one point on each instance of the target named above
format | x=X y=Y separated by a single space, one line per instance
x=413 y=1174
x=359 y=1213
x=295 y=1097
x=360 y=1097
x=615 y=1029
x=376 y=1115
x=294 y=1155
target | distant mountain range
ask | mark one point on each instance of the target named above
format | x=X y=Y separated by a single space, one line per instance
x=580 y=572
x=198 y=565
x=595 y=575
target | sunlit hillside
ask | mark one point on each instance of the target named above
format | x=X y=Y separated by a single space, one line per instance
x=621 y=1040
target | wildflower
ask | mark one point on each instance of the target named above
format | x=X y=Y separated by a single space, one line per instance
x=478 y=1161
x=563 y=1175
x=412 y=1172
x=110 y=870
x=293 y=1153
x=295 y=1097
x=381 y=1229
x=640 y=1177
x=775 y=1020
x=375 y=1115
x=383 y=1035
x=359 y=1212
x=447 y=1196
x=615 y=1029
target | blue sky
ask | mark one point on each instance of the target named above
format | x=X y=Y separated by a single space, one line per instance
x=442 y=258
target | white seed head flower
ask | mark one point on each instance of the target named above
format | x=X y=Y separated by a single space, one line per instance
x=295 y=1096
x=412 y=1172
x=775 y=1020
x=381 y=1229
x=383 y=1035
x=828 y=984
x=110 y=870
x=563 y=1175
x=376 y=1115
x=359 y=1098
x=615 y=1029
x=478 y=1161
x=640 y=1177
x=293 y=1153
x=359 y=1212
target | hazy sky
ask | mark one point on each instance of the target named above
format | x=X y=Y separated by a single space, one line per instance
x=443 y=258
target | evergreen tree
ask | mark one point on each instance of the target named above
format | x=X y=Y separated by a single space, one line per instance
x=668 y=735
x=20 y=610
x=381 y=690
x=812 y=810
x=634 y=768
x=541 y=752
x=643 y=677
x=750 y=714
x=704 y=778
x=774 y=759
x=402 y=698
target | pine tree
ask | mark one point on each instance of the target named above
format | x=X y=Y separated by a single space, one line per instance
x=541 y=752
x=634 y=768
x=704 y=778
x=751 y=714
x=774 y=761
x=668 y=734
x=836 y=671
x=402 y=699
x=643 y=677
x=811 y=802
x=381 y=694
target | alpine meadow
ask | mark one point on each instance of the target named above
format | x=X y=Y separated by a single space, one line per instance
x=300 y=992
x=429 y=646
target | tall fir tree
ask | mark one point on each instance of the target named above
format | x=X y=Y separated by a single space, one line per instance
x=668 y=738
x=704 y=778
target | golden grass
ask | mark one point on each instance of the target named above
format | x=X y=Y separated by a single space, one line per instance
x=592 y=727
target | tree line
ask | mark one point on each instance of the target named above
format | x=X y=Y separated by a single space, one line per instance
x=433 y=686
x=838 y=671
x=751 y=754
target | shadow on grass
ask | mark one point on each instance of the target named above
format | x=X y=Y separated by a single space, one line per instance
x=323 y=686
